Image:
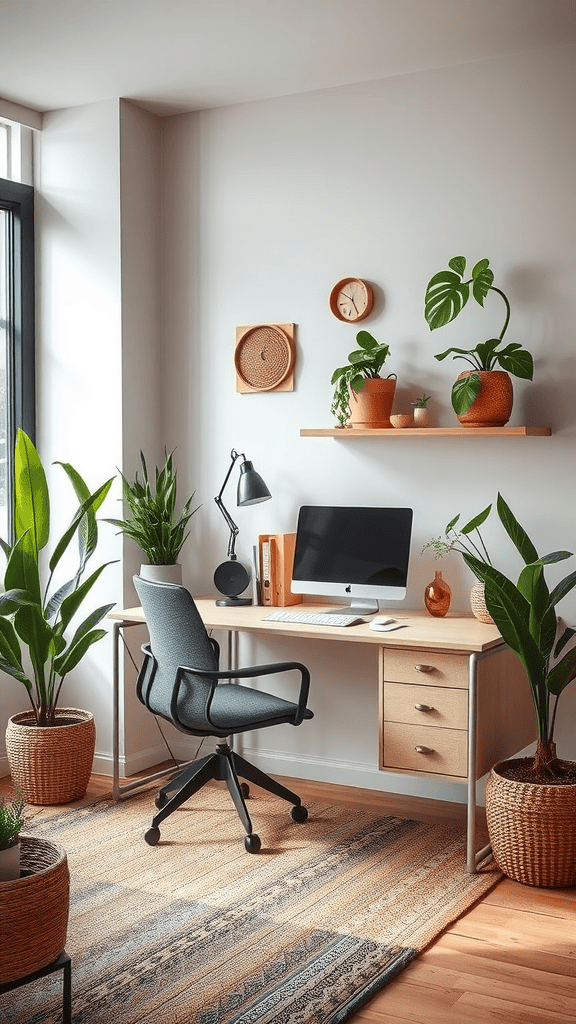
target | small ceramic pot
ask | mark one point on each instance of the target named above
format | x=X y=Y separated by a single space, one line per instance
x=402 y=419
x=421 y=416
x=10 y=861
x=162 y=573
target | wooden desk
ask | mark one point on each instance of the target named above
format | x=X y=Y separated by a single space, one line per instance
x=453 y=698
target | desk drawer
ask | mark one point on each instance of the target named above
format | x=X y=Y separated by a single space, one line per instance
x=444 y=751
x=422 y=667
x=435 y=706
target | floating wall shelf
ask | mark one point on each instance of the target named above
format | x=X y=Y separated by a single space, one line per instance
x=349 y=433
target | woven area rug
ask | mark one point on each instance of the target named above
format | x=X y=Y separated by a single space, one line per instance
x=197 y=931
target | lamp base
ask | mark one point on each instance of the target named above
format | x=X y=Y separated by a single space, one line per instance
x=224 y=602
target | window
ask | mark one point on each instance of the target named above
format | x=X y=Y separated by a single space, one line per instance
x=17 y=382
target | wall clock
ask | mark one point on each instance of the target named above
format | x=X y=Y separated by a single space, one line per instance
x=264 y=358
x=351 y=299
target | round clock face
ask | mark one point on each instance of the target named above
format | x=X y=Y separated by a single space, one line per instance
x=351 y=299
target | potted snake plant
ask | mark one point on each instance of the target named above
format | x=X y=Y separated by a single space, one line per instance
x=153 y=522
x=482 y=396
x=362 y=397
x=531 y=802
x=50 y=749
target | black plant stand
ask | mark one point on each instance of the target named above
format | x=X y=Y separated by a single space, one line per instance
x=62 y=963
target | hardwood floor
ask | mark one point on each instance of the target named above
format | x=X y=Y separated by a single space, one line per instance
x=510 y=960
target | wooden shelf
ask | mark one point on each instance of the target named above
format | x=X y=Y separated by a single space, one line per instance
x=348 y=433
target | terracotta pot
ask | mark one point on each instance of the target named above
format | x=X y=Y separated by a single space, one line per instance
x=371 y=405
x=532 y=828
x=492 y=406
x=51 y=765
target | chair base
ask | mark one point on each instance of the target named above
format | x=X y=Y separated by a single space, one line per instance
x=223 y=765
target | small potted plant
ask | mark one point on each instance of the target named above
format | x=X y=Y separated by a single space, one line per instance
x=153 y=523
x=362 y=397
x=466 y=539
x=482 y=396
x=531 y=802
x=11 y=822
x=50 y=749
x=421 y=411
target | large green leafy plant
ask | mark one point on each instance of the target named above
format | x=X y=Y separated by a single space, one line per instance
x=153 y=522
x=525 y=614
x=446 y=295
x=36 y=616
x=365 y=361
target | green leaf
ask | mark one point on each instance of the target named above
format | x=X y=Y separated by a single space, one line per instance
x=464 y=392
x=445 y=298
x=462 y=351
x=11 y=600
x=22 y=569
x=480 y=267
x=11 y=670
x=33 y=629
x=562 y=674
x=452 y=523
x=458 y=263
x=517 y=534
x=90 y=621
x=518 y=362
x=563 y=588
x=485 y=352
x=71 y=604
x=476 y=521
x=31 y=500
x=482 y=284
x=66 y=662
x=366 y=340
x=9 y=645
x=64 y=541
x=55 y=601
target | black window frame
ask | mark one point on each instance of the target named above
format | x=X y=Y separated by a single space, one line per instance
x=18 y=200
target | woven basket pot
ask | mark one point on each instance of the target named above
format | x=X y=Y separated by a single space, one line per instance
x=478 y=604
x=51 y=765
x=492 y=406
x=532 y=829
x=34 y=910
x=372 y=404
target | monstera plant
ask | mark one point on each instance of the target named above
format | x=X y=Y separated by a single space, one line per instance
x=446 y=295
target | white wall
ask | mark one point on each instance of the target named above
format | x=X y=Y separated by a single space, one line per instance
x=266 y=206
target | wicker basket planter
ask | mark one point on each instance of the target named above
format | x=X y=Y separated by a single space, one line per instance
x=478 y=604
x=532 y=828
x=492 y=406
x=34 y=910
x=51 y=765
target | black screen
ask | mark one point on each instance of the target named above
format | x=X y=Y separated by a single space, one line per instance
x=366 y=546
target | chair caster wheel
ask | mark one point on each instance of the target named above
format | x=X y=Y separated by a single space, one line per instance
x=160 y=800
x=299 y=814
x=252 y=843
x=152 y=836
x=245 y=789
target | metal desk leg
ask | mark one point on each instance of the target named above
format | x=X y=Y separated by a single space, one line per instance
x=232 y=663
x=118 y=791
x=473 y=857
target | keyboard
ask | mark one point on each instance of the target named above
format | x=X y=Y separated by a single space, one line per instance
x=315 y=618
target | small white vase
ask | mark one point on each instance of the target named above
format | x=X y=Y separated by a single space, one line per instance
x=162 y=573
x=421 y=416
x=10 y=862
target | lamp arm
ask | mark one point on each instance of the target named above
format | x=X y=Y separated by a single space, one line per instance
x=234 y=531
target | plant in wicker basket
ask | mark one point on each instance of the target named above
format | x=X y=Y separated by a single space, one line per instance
x=531 y=802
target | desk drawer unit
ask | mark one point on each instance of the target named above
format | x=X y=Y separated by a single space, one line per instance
x=424 y=712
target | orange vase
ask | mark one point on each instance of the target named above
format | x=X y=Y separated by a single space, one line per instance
x=492 y=406
x=437 y=596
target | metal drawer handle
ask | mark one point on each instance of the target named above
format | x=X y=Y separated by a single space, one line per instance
x=424 y=750
x=423 y=707
x=424 y=668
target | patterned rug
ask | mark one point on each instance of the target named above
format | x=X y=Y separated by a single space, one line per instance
x=197 y=931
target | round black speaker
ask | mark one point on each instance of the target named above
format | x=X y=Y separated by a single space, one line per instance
x=231 y=578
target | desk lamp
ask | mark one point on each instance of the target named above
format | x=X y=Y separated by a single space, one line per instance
x=232 y=577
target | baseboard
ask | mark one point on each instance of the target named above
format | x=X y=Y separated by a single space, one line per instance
x=356 y=774
x=183 y=749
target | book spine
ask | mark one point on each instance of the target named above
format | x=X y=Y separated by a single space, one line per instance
x=267 y=591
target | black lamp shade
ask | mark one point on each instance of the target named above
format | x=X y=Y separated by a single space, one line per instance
x=251 y=487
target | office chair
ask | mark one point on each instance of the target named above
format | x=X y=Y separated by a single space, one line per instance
x=180 y=681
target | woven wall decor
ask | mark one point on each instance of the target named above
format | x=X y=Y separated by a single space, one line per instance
x=264 y=358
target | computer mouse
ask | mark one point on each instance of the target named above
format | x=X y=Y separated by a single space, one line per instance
x=384 y=623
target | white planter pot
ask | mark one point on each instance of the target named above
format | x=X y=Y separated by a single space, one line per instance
x=10 y=862
x=162 y=573
x=421 y=416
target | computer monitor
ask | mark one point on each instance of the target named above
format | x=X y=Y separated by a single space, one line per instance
x=361 y=553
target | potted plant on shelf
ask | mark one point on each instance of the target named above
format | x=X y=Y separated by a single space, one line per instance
x=531 y=802
x=482 y=396
x=50 y=749
x=362 y=397
x=421 y=411
x=11 y=822
x=153 y=522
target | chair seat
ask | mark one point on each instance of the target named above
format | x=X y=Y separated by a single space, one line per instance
x=235 y=708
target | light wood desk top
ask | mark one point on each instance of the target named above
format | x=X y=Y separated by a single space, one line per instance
x=454 y=632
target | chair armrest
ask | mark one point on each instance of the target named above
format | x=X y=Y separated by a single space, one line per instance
x=249 y=673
